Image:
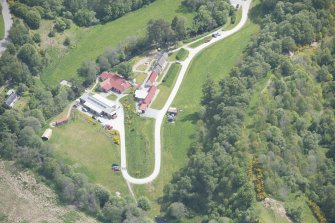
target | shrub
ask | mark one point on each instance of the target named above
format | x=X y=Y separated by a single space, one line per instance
x=52 y=33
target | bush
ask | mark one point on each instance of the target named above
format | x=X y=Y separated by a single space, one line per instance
x=52 y=34
x=85 y=17
x=67 y=41
x=36 y=38
x=62 y=24
x=144 y=203
x=294 y=213
x=33 y=19
x=177 y=211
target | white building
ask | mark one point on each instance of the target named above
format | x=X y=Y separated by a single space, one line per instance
x=141 y=94
x=98 y=105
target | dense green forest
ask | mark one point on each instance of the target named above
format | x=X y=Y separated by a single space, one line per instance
x=267 y=140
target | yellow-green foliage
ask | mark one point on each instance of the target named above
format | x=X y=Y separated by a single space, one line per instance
x=317 y=211
x=116 y=136
x=256 y=175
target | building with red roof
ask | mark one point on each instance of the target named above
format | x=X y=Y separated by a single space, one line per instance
x=113 y=82
x=151 y=80
x=105 y=75
x=62 y=121
x=148 y=99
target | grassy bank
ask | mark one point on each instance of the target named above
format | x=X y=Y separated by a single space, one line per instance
x=88 y=150
x=139 y=140
x=182 y=54
x=215 y=61
x=95 y=39
x=166 y=87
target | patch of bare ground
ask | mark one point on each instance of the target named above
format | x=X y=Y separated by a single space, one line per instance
x=277 y=207
x=23 y=199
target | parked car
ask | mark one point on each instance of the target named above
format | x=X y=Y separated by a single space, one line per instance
x=84 y=109
x=208 y=39
x=109 y=127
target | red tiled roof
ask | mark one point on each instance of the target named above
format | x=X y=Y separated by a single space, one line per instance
x=62 y=120
x=106 y=85
x=152 y=78
x=150 y=95
x=105 y=75
x=147 y=100
x=143 y=107
x=114 y=82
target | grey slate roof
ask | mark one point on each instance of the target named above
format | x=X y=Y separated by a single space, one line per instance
x=10 y=99
x=161 y=60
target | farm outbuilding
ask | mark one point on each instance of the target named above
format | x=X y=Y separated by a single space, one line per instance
x=11 y=98
x=173 y=110
x=47 y=134
x=98 y=105
x=61 y=121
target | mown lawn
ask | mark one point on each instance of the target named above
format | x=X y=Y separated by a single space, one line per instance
x=88 y=150
x=166 y=87
x=2 y=26
x=215 y=61
x=139 y=140
x=182 y=54
x=140 y=77
x=95 y=39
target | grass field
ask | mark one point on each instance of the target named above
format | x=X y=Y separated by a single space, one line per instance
x=139 y=140
x=198 y=43
x=268 y=215
x=215 y=61
x=140 y=77
x=88 y=150
x=95 y=39
x=182 y=54
x=166 y=86
x=2 y=26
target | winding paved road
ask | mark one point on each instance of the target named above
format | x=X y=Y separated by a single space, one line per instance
x=160 y=116
x=8 y=23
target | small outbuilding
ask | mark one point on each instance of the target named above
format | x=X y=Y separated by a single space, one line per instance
x=47 y=134
x=62 y=121
x=11 y=98
x=172 y=110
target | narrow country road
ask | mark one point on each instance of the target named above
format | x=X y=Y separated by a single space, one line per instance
x=160 y=116
x=8 y=23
